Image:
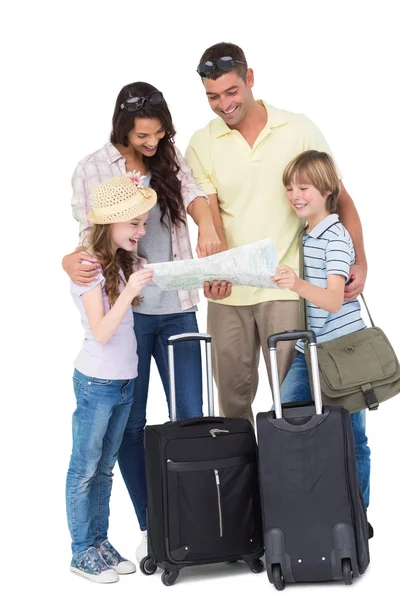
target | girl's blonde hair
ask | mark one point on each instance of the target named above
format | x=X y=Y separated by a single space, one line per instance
x=318 y=169
x=111 y=263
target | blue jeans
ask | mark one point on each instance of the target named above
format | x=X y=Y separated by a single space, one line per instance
x=296 y=388
x=152 y=333
x=98 y=425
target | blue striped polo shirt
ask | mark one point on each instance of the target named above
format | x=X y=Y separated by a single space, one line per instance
x=328 y=250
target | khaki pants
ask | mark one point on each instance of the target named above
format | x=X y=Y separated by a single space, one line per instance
x=237 y=334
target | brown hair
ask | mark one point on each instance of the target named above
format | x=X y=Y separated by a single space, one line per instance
x=111 y=263
x=225 y=49
x=163 y=165
x=318 y=169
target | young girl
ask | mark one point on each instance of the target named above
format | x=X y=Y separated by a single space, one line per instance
x=105 y=372
x=142 y=139
x=312 y=188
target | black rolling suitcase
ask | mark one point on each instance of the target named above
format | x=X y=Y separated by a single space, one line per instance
x=202 y=488
x=315 y=524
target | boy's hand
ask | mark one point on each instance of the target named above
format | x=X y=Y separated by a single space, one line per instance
x=138 y=280
x=286 y=278
x=78 y=272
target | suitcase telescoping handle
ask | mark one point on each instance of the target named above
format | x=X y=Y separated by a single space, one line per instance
x=188 y=337
x=295 y=334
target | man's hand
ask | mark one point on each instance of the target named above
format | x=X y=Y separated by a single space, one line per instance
x=219 y=290
x=357 y=277
x=78 y=272
x=208 y=242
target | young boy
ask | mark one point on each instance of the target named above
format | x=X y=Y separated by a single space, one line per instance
x=313 y=187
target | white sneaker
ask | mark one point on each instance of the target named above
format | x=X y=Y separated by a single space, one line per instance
x=141 y=550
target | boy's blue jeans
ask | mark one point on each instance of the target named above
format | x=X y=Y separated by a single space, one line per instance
x=98 y=425
x=152 y=333
x=296 y=388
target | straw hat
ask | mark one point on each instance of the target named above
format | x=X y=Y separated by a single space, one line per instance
x=120 y=199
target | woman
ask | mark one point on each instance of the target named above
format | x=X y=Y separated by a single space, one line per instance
x=142 y=140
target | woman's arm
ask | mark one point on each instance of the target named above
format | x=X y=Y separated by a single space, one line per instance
x=329 y=298
x=104 y=326
x=81 y=203
x=81 y=274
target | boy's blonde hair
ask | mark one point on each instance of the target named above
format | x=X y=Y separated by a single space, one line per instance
x=318 y=169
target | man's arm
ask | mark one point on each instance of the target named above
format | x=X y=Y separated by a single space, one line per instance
x=349 y=217
x=216 y=215
x=208 y=242
x=203 y=179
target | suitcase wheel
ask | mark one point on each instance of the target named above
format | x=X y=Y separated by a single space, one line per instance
x=169 y=577
x=277 y=577
x=147 y=566
x=256 y=565
x=347 y=571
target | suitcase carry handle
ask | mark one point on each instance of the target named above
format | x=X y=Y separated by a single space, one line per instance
x=185 y=337
x=201 y=420
x=294 y=334
x=291 y=335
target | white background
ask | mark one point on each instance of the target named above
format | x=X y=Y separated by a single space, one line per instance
x=63 y=65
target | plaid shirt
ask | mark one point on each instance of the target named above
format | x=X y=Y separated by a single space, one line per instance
x=109 y=162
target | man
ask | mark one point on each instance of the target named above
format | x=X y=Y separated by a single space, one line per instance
x=238 y=159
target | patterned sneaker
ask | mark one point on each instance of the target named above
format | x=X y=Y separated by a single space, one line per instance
x=115 y=560
x=90 y=564
x=141 y=550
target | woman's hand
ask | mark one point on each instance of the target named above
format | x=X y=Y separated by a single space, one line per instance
x=138 y=280
x=208 y=241
x=80 y=273
x=286 y=278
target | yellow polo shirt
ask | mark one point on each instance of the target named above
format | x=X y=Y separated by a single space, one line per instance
x=248 y=181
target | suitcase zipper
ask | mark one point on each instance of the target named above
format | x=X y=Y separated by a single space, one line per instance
x=219 y=501
x=214 y=432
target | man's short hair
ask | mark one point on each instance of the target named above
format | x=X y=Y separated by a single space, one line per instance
x=225 y=49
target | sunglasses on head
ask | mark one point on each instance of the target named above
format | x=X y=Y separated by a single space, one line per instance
x=225 y=64
x=132 y=104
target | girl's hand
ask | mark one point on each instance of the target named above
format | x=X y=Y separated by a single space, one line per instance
x=286 y=278
x=208 y=242
x=138 y=280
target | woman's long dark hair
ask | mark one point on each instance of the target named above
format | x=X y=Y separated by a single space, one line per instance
x=163 y=165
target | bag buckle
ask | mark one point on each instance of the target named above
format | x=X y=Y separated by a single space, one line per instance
x=370 y=398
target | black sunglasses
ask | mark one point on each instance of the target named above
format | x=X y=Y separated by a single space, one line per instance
x=225 y=64
x=132 y=104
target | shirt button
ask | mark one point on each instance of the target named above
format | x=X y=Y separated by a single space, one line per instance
x=174 y=255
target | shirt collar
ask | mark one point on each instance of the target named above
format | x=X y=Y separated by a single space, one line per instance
x=113 y=154
x=276 y=118
x=323 y=226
